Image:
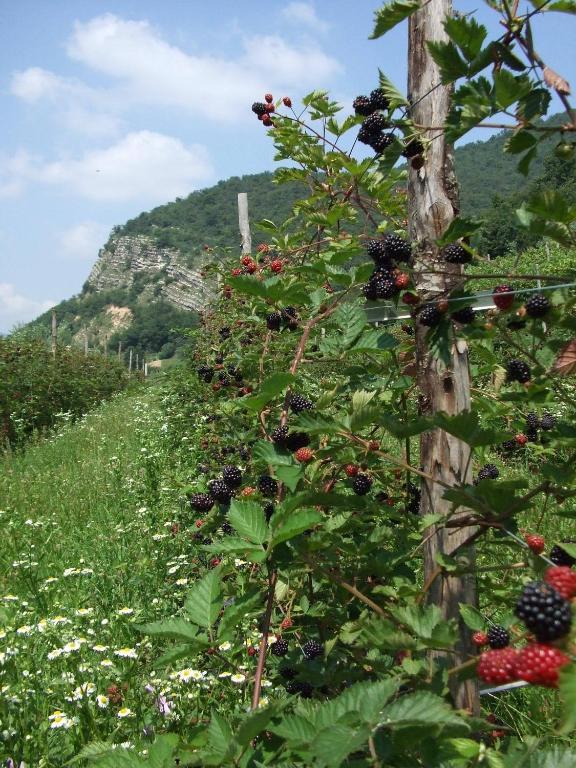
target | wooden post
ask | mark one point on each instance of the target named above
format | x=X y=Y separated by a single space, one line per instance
x=136 y=362
x=244 y=223
x=54 y=332
x=432 y=204
x=130 y=361
x=119 y=350
x=86 y=342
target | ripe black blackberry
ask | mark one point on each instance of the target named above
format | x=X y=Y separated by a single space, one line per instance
x=547 y=422
x=537 y=305
x=375 y=124
x=430 y=316
x=518 y=370
x=456 y=254
x=202 y=502
x=412 y=148
x=378 y=99
x=292 y=686
x=224 y=332
x=299 y=403
x=365 y=135
x=532 y=435
x=297 y=440
x=396 y=247
x=227 y=529
x=376 y=250
x=509 y=445
x=244 y=453
x=267 y=485
x=361 y=484
x=489 y=472
x=386 y=288
x=381 y=142
x=312 y=649
x=205 y=373
x=279 y=435
x=219 y=359
x=290 y=316
x=232 y=476
x=413 y=498
x=301 y=687
x=370 y=291
x=288 y=673
x=268 y=510
x=498 y=637
x=465 y=316
x=273 y=321
x=363 y=105
x=280 y=647
x=532 y=420
x=220 y=491
x=259 y=108
x=544 y=611
x=559 y=556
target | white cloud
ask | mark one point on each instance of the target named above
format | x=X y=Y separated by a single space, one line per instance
x=304 y=14
x=145 y=166
x=36 y=83
x=14 y=172
x=83 y=241
x=16 y=308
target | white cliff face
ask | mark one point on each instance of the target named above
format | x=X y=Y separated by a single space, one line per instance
x=131 y=258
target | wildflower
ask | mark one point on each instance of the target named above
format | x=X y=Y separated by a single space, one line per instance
x=181 y=582
x=73 y=645
x=225 y=646
x=51 y=655
x=84 y=611
x=238 y=678
x=70 y=572
x=59 y=719
x=126 y=653
x=42 y=624
x=106 y=663
x=59 y=620
x=125 y=611
x=10 y=598
x=82 y=691
x=185 y=675
x=225 y=674
x=26 y=629
x=102 y=701
x=50 y=580
x=99 y=648
x=125 y=712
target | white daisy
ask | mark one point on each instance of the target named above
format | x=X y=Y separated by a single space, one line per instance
x=126 y=653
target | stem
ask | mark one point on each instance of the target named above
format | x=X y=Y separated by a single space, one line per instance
x=264 y=641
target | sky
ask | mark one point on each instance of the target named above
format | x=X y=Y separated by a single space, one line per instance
x=112 y=107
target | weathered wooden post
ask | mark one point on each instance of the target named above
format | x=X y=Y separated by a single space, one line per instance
x=130 y=361
x=432 y=204
x=54 y=332
x=85 y=342
x=119 y=350
x=244 y=223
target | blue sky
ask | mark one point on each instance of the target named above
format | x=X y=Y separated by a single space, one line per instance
x=110 y=107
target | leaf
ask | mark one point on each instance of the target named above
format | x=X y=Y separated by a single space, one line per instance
x=161 y=753
x=270 y=388
x=205 y=600
x=92 y=751
x=254 y=724
x=290 y=476
x=351 y=319
x=179 y=629
x=247 y=517
x=295 y=728
x=367 y=699
x=392 y=14
x=420 y=709
x=565 y=363
x=459 y=227
x=452 y=66
x=237 y=611
x=332 y=745
x=472 y=617
x=465 y=426
x=267 y=453
x=178 y=652
x=568 y=695
x=395 y=98
x=297 y=523
x=220 y=736
x=467 y=34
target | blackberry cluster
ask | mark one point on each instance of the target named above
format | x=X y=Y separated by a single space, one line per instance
x=259 y=108
x=227 y=529
x=559 y=556
x=361 y=484
x=381 y=285
x=430 y=316
x=273 y=321
x=302 y=687
x=489 y=472
x=299 y=403
x=378 y=99
x=413 y=498
x=372 y=126
x=509 y=445
x=396 y=247
x=232 y=476
x=412 y=149
x=544 y=611
x=220 y=491
x=518 y=370
x=456 y=254
x=547 y=422
x=377 y=251
x=537 y=305
x=532 y=426
x=297 y=440
x=465 y=316
x=381 y=143
x=312 y=649
x=267 y=485
x=205 y=373
x=362 y=105
x=280 y=647
x=202 y=502
x=279 y=435
x=498 y=637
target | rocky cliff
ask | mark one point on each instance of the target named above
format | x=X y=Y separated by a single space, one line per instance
x=129 y=261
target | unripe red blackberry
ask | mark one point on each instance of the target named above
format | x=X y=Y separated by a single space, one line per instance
x=232 y=476
x=536 y=543
x=351 y=470
x=544 y=611
x=464 y=316
x=402 y=280
x=559 y=556
x=456 y=254
x=521 y=439
x=361 y=484
x=563 y=579
x=498 y=667
x=362 y=105
x=279 y=435
x=396 y=247
x=267 y=485
x=503 y=297
x=518 y=370
x=299 y=403
x=312 y=648
x=378 y=99
x=539 y=664
x=202 y=502
x=273 y=321
x=479 y=639
x=268 y=98
x=267 y=121
x=303 y=455
x=287 y=101
x=430 y=316
x=498 y=637
x=280 y=647
x=220 y=491
x=537 y=305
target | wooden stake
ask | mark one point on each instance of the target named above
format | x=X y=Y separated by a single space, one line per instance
x=119 y=350
x=130 y=361
x=244 y=223
x=54 y=332
x=86 y=342
x=432 y=204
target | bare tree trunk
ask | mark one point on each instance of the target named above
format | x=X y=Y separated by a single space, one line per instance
x=432 y=204
x=244 y=223
x=54 y=332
